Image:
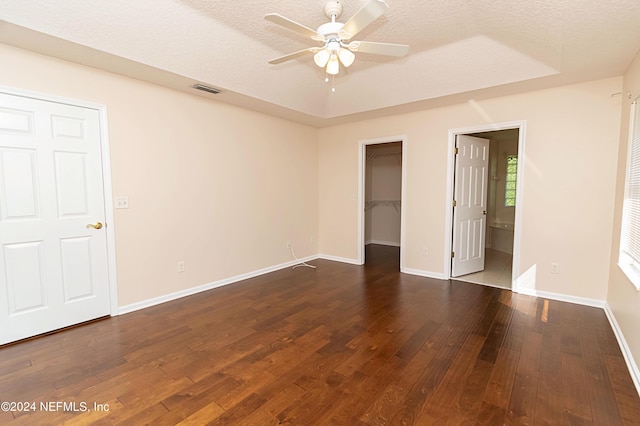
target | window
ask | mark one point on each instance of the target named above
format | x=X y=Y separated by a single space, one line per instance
x=629 y=260
x=510 y=184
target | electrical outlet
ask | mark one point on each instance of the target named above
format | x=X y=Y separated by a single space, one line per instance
x=425 y=251
x=181 y=266
x=288 y=244
x=555 y=268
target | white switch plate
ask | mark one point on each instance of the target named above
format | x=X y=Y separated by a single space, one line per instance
x=122 y=202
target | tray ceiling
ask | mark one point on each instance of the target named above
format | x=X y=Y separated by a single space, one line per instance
x=459 y=48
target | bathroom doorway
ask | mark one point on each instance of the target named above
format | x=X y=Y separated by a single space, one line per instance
x=489 y=241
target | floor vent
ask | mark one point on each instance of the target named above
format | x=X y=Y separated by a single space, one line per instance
x=206 y=88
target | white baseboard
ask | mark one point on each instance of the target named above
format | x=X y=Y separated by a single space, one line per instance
x=198 y=289
x=426 y=274
x=624 y=347
x=383 y=243
x=596 y=303
x=339 y=259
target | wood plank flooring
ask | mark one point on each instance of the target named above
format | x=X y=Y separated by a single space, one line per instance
x=340 y=345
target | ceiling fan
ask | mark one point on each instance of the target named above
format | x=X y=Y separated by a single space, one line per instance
x=335 y=36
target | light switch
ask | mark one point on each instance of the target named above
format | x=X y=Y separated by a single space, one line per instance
x=122 y=202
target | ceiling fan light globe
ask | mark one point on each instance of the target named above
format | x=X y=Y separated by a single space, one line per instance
x=333 y=66
x=333 y=46
x=346 y=57
x=321 y=58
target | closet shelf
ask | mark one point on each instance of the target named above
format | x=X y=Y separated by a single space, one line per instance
x=397 y=155
x=372 y=203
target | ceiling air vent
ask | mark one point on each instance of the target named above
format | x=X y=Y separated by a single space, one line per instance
x=206 y=88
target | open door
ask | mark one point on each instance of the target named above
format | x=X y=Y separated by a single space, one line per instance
x=470 y=205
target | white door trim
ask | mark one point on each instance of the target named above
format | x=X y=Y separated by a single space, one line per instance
x=490 y=127
x=106 y=177
x=362 y=160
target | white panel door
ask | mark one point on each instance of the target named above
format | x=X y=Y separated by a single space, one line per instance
x=53 y=266
x=470 y=210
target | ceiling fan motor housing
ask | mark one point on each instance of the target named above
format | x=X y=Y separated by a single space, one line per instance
x=330 y=28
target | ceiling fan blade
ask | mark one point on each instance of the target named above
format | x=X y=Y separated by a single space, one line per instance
x=387 y=49
x=294 y=55
x=289 y=24
x=366 y=15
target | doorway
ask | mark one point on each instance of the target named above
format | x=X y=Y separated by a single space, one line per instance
x=493 y=235
x=56 y=265
x=381 y=190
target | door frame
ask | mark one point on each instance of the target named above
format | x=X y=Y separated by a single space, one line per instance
x=105 y=174
x=489 y=127
x=362 y=167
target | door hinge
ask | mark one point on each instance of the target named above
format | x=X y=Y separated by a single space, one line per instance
x=454 y=203
x=455 y=150
x=453 y=255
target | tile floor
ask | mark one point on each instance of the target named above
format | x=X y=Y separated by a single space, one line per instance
x=497 y=270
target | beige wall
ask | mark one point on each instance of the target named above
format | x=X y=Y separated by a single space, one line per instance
x=622 y=297
x=572 y=136
x=216 y=186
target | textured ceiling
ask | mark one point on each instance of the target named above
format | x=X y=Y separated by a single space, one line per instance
x=457 y=47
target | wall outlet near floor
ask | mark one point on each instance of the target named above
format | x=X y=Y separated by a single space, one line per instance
x=555 y=268
x=425 y=251
x=288 y=244
x=181 y=266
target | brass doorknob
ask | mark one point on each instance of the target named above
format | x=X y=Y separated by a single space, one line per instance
x=97 y=225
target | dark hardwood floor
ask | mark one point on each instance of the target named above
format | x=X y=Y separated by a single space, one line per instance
x=341 y=344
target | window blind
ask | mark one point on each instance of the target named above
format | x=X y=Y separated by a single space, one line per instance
x=630 y=238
